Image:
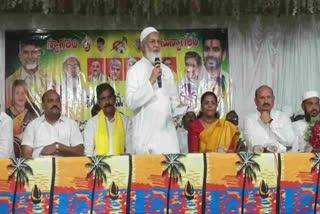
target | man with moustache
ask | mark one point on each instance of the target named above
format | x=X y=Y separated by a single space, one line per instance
x=152 y=105
x=37 y=81
x=52 y=134
x=108 y=132
x=114 y=69
x=212 y=77
x=96 y=71
x=310 y=106
x=267 y=129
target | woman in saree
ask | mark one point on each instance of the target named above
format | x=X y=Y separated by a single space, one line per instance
x=22 y=111
x=208 y=133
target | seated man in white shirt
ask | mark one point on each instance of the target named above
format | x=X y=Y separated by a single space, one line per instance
x=310 y=106
x=52 y=133
x=267 y=129
x=6 y=136
x=108 y=132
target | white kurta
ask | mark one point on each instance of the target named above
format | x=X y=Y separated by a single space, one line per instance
x=183 y=140
x=152 y=107
x=279 y=133
x=300 y=145
x=6 y=136
x=89 y=134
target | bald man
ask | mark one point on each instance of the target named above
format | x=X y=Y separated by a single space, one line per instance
x=267 y=129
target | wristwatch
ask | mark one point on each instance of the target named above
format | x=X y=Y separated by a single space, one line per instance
x=57 y=147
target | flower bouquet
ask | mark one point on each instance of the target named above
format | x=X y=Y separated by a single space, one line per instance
x=312 y=134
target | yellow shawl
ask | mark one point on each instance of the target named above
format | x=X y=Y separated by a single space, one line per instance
x=220 y=135
x=102 y=139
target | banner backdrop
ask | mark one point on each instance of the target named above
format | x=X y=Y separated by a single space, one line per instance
x=75 y=62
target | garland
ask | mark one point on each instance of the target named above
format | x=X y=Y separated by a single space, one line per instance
x=312 y=133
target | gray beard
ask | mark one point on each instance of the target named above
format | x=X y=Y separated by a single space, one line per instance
x=151 y=56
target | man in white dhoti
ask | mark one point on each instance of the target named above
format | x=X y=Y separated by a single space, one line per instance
x=152 y=103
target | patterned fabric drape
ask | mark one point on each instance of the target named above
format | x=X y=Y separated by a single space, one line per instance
x=173 y=183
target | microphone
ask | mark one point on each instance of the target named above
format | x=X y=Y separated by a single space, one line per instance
x=157 y=62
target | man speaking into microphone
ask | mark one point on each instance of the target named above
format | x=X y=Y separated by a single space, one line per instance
x=152 y=96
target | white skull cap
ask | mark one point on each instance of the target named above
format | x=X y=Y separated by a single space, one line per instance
x=145 y=32
x=310 y=94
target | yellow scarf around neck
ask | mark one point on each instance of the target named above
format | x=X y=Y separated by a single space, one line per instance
x=102 y=138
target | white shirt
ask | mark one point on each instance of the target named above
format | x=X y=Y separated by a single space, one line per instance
x=183 y=140
x=278 y=133
x=93 y=78
x=152 y=107
x=89 y=134
x=39 y=133
x=6 y=136
x=300 y=145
